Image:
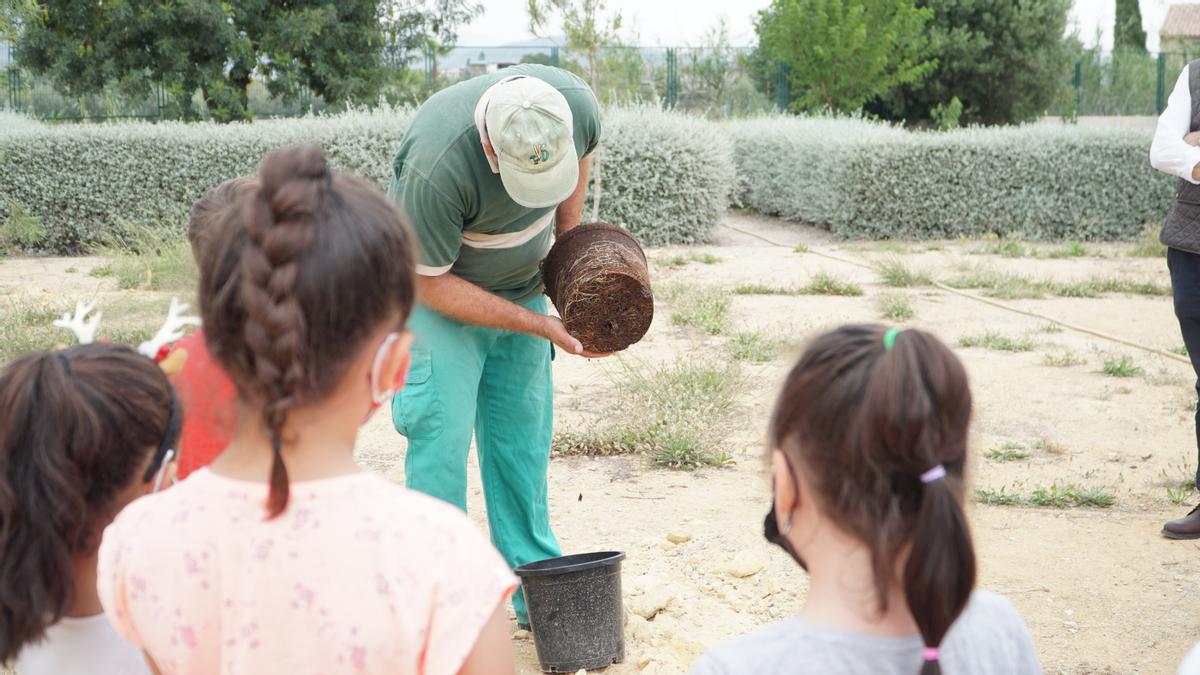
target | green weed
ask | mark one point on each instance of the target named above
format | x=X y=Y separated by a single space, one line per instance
x=801 y=248
x=897 y=274
x=20 y=230
x=996 y=342
x=703 y=307
x=825 y=284
x=1148 y=245
x=149 y=259
x=894 y=306
x=1063 y=360
x=1054 y=496
x=1007 y=452
x=1073 y=249
x=754 y=347
x=1121 y=367
x=676 y=415
x=763 y=289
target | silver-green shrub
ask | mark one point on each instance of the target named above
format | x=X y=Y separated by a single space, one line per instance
x=666 y=176
x=87 y=182
x=867 y=180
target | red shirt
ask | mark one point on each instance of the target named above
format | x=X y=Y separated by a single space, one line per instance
x=209 y=402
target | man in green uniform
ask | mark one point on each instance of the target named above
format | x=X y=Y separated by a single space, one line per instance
x=489 y=171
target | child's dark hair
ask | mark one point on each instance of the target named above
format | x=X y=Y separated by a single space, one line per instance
x=214 y=208
x=863 y=423
x=79 y=427
x=311 y=265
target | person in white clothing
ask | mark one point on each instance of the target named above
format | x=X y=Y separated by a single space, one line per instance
x=1175 y=152
x=86 y=430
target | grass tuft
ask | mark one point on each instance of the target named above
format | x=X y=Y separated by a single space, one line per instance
x=1121 y=367
x=897 y=274
x=1007 y=452
x=826 y=284
x=683 y=259
x=150 y=260
x=1148 y=245
x=801 y=248
x=754 y=347
x=703 y=307
x=763 y=289
x=1053 y=496
x=1063 y=360
x=996 y=342
x=675 y=414
x=894 y=306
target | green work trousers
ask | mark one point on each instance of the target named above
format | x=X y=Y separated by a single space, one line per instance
x=497 y=384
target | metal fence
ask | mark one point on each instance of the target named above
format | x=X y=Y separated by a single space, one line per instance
x=714 y=82
x=717 y=82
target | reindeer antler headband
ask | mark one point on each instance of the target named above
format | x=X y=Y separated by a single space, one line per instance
x=157 y=348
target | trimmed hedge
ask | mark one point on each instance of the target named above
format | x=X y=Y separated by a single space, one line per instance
x=664 y=178
x=667 y=177
x=864 y=179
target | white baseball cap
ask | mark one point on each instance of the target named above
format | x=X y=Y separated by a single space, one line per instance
x=530 y=128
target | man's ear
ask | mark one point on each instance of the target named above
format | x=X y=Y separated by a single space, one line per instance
x=396 y=361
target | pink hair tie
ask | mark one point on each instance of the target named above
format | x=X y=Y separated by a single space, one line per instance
x=936 y=473
x=932 y=653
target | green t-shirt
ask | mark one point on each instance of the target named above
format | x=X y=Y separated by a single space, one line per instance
x=465 y=221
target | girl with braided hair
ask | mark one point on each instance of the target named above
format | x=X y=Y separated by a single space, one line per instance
x=296 y=559
x=86 y=430
x=870 y=445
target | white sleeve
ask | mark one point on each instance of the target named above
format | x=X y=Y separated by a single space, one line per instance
x=1169 y=153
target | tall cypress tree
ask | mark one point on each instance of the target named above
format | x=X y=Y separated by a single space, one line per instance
x=1127 y=31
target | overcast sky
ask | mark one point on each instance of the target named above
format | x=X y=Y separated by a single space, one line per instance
x=683 y=22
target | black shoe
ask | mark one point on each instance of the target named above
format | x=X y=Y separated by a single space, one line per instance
x=1187 y=527
x=525 y=626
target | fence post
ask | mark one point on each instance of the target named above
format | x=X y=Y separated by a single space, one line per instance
x=672 y=78
x=1160 y=94
x=429 y=64
x=1079 y=87
x=554 y=56
x=14 y=89
x=783 y=88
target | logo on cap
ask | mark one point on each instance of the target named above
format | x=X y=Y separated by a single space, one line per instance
x=540 y=154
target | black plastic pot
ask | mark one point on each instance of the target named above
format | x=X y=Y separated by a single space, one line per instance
x=575 y=610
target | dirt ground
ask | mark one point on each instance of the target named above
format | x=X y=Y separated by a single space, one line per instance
x=1101 y=590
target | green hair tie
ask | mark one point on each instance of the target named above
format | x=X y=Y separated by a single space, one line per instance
x=889 y=338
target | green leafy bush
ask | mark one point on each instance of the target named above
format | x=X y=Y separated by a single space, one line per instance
x=863 y=179
x=666 y=176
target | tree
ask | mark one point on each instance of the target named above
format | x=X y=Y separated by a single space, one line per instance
x=842 y=53
x=333 y=48
x=412 y=27
x=14 y=13
x=1127 y=30
x=1003 y=60
x=588 y=29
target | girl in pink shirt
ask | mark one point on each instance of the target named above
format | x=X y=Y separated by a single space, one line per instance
x=284 y=556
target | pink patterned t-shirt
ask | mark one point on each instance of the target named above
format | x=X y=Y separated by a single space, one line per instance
x=358 y=575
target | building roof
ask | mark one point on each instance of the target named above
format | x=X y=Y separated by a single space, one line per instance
x=1183 y=21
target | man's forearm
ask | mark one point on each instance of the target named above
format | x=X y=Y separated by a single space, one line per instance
x=463 y=301
x=570 y=211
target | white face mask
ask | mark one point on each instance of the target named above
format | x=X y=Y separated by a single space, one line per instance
x=379 y=398
x=162 y=470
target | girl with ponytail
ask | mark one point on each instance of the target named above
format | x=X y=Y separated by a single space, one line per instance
x=85 y=431
x=870 y=446
x=296 y=560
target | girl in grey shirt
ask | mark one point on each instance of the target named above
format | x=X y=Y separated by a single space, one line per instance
x=870 y=437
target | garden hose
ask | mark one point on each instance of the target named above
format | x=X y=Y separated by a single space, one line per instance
x=987 y=301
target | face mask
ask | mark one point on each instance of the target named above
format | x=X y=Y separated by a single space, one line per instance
x=162 y=470
x=771 y=527
x=378 y=399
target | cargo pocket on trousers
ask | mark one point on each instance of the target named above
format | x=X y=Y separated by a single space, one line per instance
x=417 y=410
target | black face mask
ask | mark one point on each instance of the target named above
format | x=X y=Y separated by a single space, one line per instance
x=771 y=528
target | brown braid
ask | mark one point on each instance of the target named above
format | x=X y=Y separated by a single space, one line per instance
x=308 y=268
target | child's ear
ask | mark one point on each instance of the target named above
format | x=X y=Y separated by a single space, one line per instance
x=396 y=362
x=787 y=493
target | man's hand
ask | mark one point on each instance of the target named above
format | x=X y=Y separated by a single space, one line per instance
x=1192 y=138
x=554 y=331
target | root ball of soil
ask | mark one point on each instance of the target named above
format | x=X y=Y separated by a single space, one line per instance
x=596 y=276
